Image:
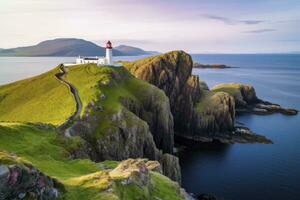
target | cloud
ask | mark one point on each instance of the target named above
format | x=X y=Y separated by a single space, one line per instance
x=260 y=31
x=230 y=21
x=288 y=21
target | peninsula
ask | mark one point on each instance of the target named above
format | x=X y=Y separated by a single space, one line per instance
x=93 y=131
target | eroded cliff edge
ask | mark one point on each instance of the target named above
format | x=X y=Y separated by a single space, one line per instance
x=172 y=72
x=199 y=114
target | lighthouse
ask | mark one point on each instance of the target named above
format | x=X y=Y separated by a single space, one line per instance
x=100 y=61
x=109 y=53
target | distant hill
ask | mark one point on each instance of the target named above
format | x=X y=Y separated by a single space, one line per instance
x=132 y=51
x=68 y=47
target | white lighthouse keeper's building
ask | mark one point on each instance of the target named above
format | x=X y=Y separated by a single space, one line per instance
x=100 y=61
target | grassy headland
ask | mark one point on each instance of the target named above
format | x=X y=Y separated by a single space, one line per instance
x=41 y=98
x=45 y=99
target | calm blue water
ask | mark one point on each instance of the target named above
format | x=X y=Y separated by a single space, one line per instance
x=252 y=171
x=239 y=171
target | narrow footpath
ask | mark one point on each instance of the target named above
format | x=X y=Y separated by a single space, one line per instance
x=74 y=92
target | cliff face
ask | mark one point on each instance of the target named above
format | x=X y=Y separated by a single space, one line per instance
x=171 y=72
x=243 y=94
x=215 y=113
x=128 y=119
x=247 y=101
x=154 y=109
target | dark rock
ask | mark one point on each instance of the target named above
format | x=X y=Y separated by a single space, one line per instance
x=238 y=135
x=18 y=181
x=208 y=197
x=211 y=66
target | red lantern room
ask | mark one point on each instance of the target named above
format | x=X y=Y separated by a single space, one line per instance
x=108 y=45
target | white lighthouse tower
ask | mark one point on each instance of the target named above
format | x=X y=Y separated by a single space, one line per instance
x=100 y=61
x=109 y=55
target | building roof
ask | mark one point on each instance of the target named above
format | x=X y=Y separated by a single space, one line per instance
x=108 y=45
x=95 y=58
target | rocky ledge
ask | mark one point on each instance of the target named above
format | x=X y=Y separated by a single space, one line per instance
x=240 y=134
x=210 y=66
x=247 y=101
x=141 y=172
x=266 y=108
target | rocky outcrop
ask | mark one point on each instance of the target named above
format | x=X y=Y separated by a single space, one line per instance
x=20 y=181
x=171 y=72
x=237 y=135
x=139 y=172
x=134 y=171
x=247 y=101
x=215 y=114
x=199 y=114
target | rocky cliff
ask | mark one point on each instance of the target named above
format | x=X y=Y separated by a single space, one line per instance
x=128 y=119
x=247 y=101
x=172 y=72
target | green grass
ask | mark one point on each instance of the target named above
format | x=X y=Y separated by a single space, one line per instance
x=49 y=152
x=82 y=179
x=114 y=83
x=205 y=100
x=39 y=99
x=86 y=78
x=44 y=150
x=162 y=188
x=230 y=88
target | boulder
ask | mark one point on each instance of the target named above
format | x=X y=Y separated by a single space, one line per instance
x=19 y=181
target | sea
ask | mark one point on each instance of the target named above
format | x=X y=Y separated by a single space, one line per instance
x=236 y=171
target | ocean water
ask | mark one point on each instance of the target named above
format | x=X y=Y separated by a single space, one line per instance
x=239 y=171
x=252 y=171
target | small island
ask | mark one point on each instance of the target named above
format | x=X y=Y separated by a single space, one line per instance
x=210 y=66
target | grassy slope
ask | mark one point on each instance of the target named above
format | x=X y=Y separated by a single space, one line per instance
x=49 y=153
x=81 y=178
x=39 y=99
x=94 y=81
x=230 y=88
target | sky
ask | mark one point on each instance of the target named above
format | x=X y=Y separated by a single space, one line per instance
x=196 y=26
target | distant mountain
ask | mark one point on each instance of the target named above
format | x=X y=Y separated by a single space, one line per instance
x=67 y=47
x=132 y=51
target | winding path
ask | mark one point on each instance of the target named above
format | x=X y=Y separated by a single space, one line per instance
x=74 y=92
